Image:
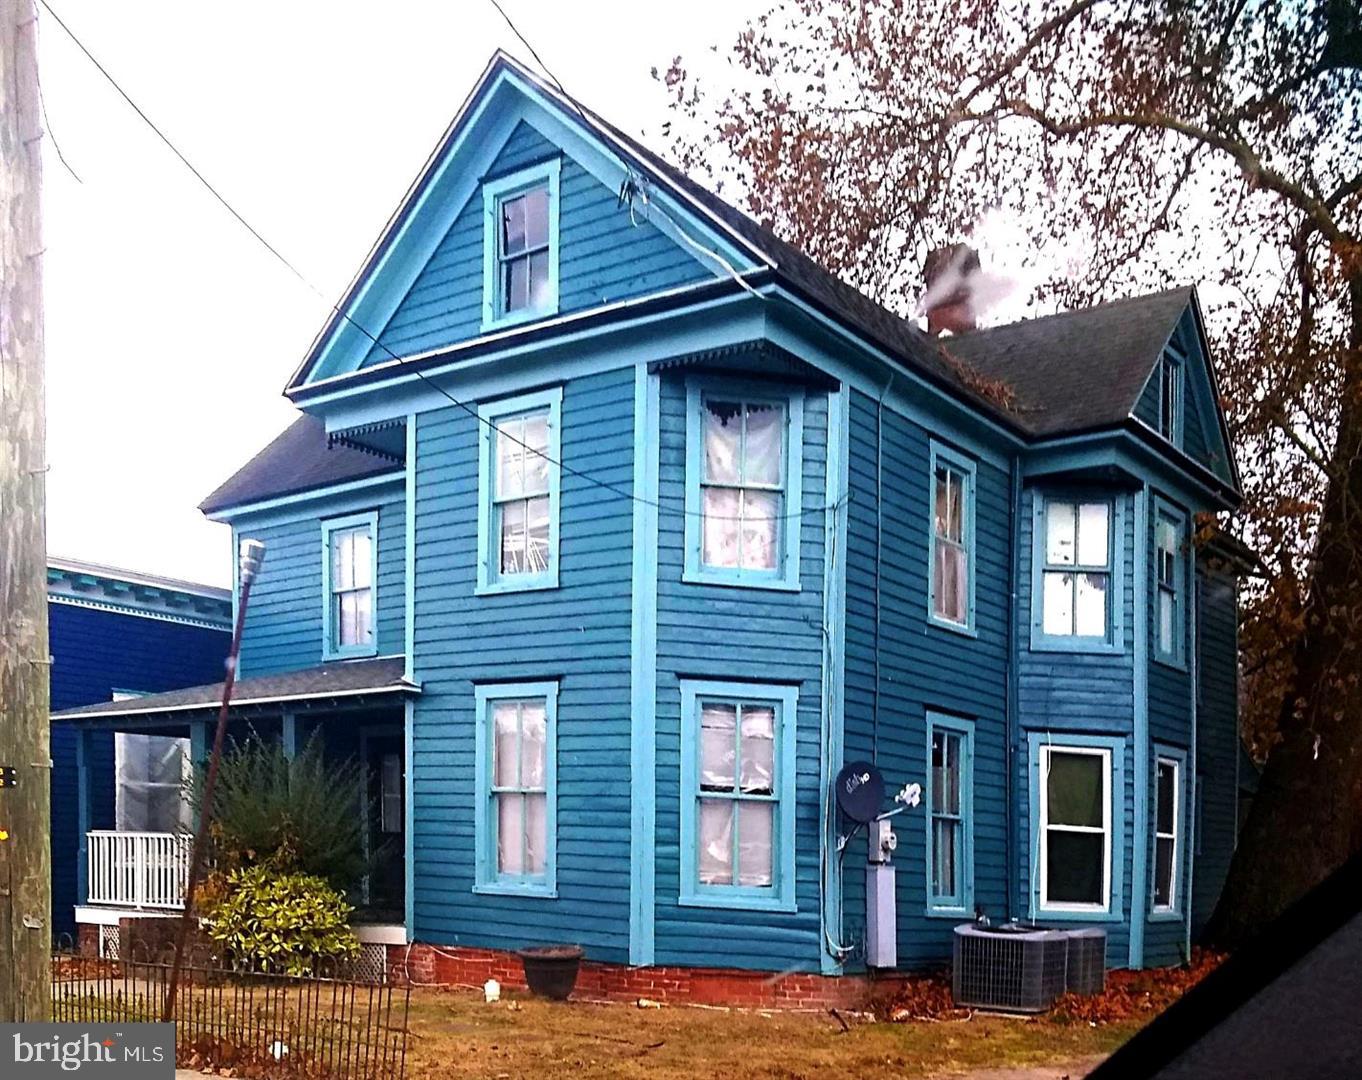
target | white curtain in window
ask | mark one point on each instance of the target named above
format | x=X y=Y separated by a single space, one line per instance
x=744 y=449
x=519 y=775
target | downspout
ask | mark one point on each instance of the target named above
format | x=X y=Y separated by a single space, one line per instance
x=1193 y=806
x=1010 y=718
x=879 y=562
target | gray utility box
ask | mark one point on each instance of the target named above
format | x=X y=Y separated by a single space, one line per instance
x=881 y=921
x=1012 y=968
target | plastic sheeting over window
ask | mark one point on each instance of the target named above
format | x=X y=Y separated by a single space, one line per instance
x=151 y=771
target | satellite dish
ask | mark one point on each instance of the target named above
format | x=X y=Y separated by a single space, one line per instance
x=859 y=790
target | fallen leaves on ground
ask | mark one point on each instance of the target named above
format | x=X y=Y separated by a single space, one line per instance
x=1131 y=994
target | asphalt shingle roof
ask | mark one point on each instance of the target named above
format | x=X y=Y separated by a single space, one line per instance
x=1076 y=370
x=297 y=460
x=341 y=678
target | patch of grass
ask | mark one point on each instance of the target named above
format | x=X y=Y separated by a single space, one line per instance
x=456 y=1034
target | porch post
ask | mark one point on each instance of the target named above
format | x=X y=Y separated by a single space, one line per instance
x=289 y=728
x=83 y=816
x=198 y=742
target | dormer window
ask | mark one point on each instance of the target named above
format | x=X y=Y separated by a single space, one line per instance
x=520 y=246
x=1170 y=398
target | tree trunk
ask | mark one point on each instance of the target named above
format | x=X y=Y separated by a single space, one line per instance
x=1306 y=819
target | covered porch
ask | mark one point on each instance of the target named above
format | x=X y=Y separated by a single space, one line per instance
x=136 y=756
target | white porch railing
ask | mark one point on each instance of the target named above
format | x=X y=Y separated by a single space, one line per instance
x=137 y=870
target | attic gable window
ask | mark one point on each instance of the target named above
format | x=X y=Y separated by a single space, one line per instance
x=520 y=246
x=1170 y=398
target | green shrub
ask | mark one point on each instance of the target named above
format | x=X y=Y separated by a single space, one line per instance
x=281 y=923
x=305 y=814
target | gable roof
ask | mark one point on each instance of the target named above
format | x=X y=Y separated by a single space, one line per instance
x=299 y=459
x=1081 y=369
x=1049 y=365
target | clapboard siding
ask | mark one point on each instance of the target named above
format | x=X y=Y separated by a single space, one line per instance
x=604 y=256
x=716 y=632
x=1147 y=407
x=578 y=634
x=1217 y=739
x=922 y=667
x=284 y=622
x=1076 y=693
x=95 y=652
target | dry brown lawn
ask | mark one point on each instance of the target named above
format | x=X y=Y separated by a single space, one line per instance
x=456 y=1034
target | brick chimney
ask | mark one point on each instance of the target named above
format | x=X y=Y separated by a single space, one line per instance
x=947 y=299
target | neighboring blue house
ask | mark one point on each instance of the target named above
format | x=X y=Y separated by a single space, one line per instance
x=117 y=634
x=629 y=525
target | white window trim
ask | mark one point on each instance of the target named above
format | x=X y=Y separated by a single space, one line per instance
x=493 y=192
x=489 y=580
x=1175 y=879
x=1044 y=828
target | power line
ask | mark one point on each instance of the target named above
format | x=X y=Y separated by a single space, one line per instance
x=336 y=308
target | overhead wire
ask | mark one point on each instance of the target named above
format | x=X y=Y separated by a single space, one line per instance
x=406 y=362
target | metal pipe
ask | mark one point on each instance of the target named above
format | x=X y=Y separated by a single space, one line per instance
x=251 y=555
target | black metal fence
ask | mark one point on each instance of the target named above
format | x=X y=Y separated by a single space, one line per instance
x=304 y=1028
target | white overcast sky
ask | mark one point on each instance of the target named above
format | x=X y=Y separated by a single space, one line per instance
x=170 y=331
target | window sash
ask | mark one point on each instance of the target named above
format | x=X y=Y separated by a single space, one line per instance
x=351 y=574
x=1170 y=397
x=947 y=867
x=390 y=794
x=736 y=795
x=1093 y=577
x=951 y=493
x=521 y=794
x=713 y=524
x=525 y=254
x=522 y=517
x=1167 y=839
x=1104 y=830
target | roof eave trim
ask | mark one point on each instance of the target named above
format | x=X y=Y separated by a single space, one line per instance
x=229 y=512
x=404 y=686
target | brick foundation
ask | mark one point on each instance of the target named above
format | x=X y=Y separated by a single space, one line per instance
x=426 y=965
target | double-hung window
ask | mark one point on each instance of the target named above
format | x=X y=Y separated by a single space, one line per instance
x=743 y=485
x=1169 y=616
x=1168 y=813
x=520 y=245
x=515 y=816
x=518 y=492
x=950 y=826
x=1170 y=398
x=951 y=591
x=737 y=795
x=1075 y=542
x=349 y=577
x=1075 y=828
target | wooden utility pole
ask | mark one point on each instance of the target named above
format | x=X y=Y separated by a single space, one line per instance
x=25 y=761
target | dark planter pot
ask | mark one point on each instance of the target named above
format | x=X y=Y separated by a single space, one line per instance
x=551 y=970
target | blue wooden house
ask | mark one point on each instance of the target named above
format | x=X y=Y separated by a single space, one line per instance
x=116 y=635
x=612 y=526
